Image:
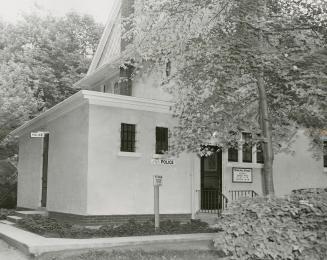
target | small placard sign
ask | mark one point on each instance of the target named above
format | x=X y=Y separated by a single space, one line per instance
x=37 y=134
x=163 y=161
x=157 y=180
x=243 y=175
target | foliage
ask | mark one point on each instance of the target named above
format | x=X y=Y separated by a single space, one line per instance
x=217 y=50
x=50 y=227
x=276 y=228
x=144 y=255
x=56 y=51
x=5 y=212
x=41 y=57
x=8 y=184
x=8 y=195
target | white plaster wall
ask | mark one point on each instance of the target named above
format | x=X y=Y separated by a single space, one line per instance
x=144 y=86
x=68 y=144
x=291 y=172
x=29 y=172
x=122 y=184
x=228 y=185
x=300 y=170
x=148 y=86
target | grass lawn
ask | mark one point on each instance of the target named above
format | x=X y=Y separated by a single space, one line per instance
x=143 y=255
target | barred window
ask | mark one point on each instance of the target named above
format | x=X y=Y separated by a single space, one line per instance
x=127 y=138
x=161 y=140
x=232 y=154
x=325 y=153
x=247 y=147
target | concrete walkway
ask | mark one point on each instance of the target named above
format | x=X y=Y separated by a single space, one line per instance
x=35 y=245
x=10 y=253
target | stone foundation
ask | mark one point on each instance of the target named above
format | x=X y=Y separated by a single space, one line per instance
x=97 y=220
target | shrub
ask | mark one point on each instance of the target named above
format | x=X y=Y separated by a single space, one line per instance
x=276 y=228
x=8 y=195
x=50 y=227
x=43 y=225
x=5 y=212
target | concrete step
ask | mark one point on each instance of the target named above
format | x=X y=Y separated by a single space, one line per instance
x=26 y=213
x=14 y=219
x=7 y=222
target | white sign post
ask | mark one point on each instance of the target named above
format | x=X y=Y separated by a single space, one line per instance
x=157 y=182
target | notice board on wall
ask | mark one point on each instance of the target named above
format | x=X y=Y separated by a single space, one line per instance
x=242 y=175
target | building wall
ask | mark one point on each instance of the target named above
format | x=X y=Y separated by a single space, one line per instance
x=229 y=185
x=67 y=164
x=29 y=172
x=122 y=183
x=145 y=86
x=300 y=170
x=148 y=86
x=89 y=175
x=67 y=189
x=291 y=171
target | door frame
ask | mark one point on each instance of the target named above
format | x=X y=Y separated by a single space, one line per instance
x=211 y=199
x=219 y=167
x=45 y=163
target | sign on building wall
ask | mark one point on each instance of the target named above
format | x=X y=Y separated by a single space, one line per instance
x=243 y=175
x=157 y=180
x=163 y=161
x=37 y=134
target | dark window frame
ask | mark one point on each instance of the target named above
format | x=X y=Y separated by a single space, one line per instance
x=247 y=156
x=127 y=137
x=125 y=81
x=325 y=153
x=168 y=68
x=161 y=140
x=116 y=88
x=233 y=154
x=260 y=158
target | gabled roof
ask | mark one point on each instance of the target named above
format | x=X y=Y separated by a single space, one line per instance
x=109 y=45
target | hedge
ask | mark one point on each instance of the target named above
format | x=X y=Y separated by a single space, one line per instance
x=51 y=228
x=294 y=227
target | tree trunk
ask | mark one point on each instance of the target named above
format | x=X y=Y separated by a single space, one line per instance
x=265 y=125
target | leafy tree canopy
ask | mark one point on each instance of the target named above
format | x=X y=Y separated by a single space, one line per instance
x=219 y=48
x=41 y=57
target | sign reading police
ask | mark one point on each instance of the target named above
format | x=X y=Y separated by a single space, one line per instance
x=163 y=161
x=157 y=180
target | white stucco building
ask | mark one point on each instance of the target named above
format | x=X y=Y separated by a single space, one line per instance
x=96 y=162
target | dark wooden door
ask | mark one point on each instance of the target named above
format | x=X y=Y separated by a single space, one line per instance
x=211 y=181
x=45 y=170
